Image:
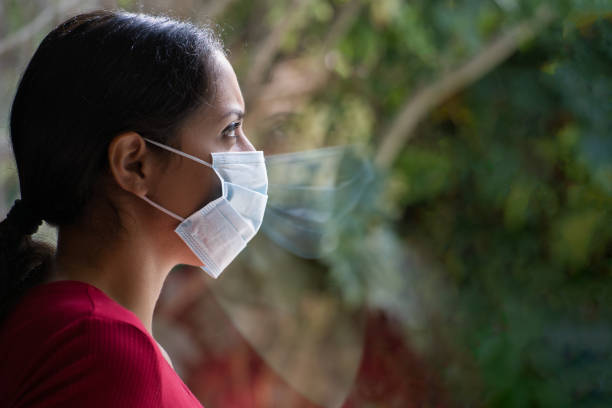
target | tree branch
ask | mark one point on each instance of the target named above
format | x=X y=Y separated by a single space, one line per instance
x=293 y=79
x=213 y=9
x=416 y=108
x=41 y=21
x=108 y=4
x=346 y=17
x=267 y=50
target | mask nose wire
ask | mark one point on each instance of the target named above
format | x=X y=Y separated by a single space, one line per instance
x=173 y=150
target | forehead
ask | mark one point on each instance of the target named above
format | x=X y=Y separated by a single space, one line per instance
x=212 y=116
x=227 y=90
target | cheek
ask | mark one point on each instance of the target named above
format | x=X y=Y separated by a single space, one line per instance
x=211 y=190
x=186 y=189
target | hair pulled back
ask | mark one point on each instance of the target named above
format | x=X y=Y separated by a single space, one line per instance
x=94 y=76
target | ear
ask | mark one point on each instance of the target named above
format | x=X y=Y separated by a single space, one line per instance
x=129 y=162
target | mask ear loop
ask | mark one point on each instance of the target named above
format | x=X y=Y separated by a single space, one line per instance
x=173 y=150
x=162 y=209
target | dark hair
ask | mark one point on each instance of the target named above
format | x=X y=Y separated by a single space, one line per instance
x=92 y=77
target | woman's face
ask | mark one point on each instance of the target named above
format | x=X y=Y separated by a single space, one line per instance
x=184 y=186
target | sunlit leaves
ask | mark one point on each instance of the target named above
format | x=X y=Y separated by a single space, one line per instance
x=425 y=175
x=574 y=238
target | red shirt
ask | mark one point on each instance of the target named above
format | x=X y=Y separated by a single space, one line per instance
x=67 y=344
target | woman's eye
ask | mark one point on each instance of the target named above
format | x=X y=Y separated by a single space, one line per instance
x=230 y=131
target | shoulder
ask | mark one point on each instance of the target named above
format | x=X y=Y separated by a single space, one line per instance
x=114 y=348
x=121 y=355
x=116 y=343
x=81 y=345
x=53 y=310
x=97 y=362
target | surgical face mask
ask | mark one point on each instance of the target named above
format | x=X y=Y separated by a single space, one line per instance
x=220 y=230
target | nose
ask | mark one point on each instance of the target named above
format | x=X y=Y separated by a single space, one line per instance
x=246 y=145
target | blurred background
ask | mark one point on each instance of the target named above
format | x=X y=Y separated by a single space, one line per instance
x=451 y=161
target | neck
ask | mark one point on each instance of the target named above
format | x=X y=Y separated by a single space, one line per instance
x=127 y=268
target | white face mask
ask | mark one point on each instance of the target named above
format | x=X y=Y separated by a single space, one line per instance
x=220 y=230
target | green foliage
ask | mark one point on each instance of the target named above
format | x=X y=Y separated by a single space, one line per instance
x=530 y=234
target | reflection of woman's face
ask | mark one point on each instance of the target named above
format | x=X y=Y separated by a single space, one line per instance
x=184 y=186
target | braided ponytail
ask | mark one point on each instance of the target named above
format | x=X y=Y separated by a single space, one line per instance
x=23 y=262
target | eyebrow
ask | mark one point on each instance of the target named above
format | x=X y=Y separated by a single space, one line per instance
x=236 y=112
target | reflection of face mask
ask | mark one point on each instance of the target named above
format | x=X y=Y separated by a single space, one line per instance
x=311 y=194
x=221 y=229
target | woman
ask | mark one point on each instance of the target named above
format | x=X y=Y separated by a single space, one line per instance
x=127 y=134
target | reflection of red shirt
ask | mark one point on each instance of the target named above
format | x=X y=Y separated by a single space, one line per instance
x=234 y=375
x=67 y=344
